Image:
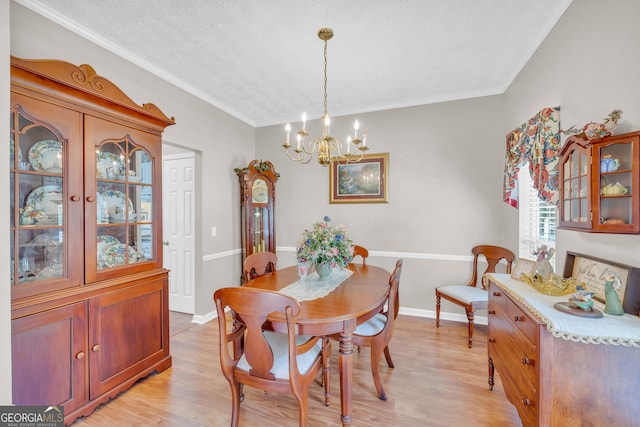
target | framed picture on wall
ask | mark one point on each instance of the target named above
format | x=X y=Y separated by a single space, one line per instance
x=360 y=182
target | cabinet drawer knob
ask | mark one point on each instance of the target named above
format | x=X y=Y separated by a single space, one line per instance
x=491 y=339
x=491 y=311
x=497 y=294
x=525 y=360
x=91 y=199
x=95 y=347
x=526 y=402
x=80 y=355
x=75 y=198
x=517 y=318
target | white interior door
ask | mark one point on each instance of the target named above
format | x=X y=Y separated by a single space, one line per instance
x=178 y=224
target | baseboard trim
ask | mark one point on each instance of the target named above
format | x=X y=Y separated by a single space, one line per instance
x=444 y=315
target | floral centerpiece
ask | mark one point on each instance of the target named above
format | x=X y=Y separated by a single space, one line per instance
x=325 y=246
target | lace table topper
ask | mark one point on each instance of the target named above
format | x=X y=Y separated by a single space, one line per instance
x=613 y=330
x=313 y=288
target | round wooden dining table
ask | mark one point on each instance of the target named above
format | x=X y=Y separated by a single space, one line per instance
x=357 y=299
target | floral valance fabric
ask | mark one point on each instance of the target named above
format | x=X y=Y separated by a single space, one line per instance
x=538 y=142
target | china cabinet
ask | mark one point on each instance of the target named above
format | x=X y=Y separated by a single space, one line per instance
x=600 y=181
x=257 y=207
x=89 y=294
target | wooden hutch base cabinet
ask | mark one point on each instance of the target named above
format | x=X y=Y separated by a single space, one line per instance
x=89 y=295
x=558 y=369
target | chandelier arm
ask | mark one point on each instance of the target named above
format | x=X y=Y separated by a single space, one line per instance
x=303 y=160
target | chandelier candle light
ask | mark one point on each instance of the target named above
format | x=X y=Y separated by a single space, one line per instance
x=327 y=147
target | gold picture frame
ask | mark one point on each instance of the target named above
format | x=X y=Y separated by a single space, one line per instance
x=364 y=181
x=521 y=267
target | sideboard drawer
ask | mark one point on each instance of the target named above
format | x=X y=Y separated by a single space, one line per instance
x=520 y=318
x=511 y=348
x=523 y=397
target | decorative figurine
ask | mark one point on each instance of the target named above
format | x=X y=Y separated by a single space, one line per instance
x=543 y=266
x=582 y=299
x=612 y=300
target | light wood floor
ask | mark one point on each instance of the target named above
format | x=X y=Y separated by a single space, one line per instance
x=437 y=381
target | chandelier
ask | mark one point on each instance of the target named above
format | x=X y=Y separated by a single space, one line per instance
x=327 y=147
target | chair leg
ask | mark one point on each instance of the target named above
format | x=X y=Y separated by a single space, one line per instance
x=387 y=355
x=236 y=394
x=470 y=317
x=437 y=309
x=303 y=403
x=375 y=371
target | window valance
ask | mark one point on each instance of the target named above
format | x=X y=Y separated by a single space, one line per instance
x=537 y=142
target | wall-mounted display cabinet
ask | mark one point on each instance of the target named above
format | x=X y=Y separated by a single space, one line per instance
x=86 y=279
x=600 y=184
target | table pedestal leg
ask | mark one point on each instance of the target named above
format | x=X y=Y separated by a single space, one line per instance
x=345 y=361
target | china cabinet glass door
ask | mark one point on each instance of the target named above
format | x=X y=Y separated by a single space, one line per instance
x=42 y=197
x=575 y=168
x=615 y=181
x=123 y=210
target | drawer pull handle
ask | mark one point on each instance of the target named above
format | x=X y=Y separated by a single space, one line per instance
x=517 y=318
x=491 y=311
x=491 y=339
x=497 y=294
x=526 y=361
x=526 y=402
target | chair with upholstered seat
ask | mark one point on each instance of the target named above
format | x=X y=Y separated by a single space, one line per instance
x=470 y=296
x=377 y=332
x=270 y=361
x=258 y=264
x=361 y=252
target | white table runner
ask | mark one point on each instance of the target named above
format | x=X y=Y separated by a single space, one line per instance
x=313 y=288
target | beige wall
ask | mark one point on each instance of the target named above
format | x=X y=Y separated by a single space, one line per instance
x=445 y=178
x=588 y=66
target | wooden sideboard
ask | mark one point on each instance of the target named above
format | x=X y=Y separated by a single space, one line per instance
x=558 y=369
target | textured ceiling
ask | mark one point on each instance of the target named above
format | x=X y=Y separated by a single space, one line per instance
x=262 y=61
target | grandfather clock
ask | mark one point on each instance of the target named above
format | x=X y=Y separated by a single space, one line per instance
x=257 y=207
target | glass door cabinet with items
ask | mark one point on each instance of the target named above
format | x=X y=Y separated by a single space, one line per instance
x=86 y=279
x=601 y=184
x=257 y=207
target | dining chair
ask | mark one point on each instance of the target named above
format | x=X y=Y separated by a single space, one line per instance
x=470 y=296
x=376 y=333
x=270 y=361
x=362 y=252
x=258 y=264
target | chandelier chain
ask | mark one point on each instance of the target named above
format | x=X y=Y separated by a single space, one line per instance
x=325 y=78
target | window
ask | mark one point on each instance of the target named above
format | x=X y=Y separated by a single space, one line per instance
x=537 y=219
